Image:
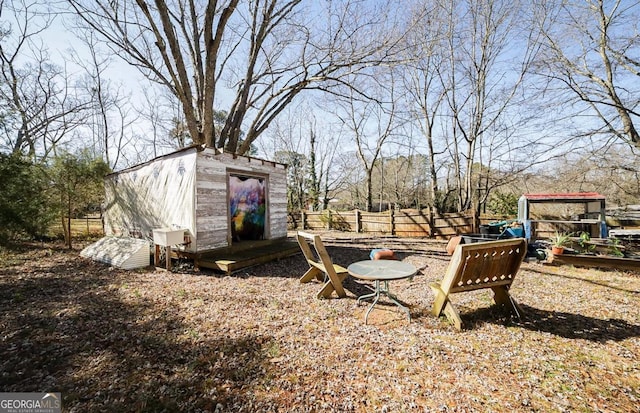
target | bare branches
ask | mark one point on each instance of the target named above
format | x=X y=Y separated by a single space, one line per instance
x=42 y=104
x=598 y=66
x=261 y=52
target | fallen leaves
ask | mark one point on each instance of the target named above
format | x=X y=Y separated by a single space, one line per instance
x=119 y=340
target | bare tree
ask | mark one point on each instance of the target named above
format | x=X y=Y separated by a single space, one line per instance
x=480 y=81
x=310 y=148
x=425 y=94
x=289 y=146
x=42 y=106
x=112 y=114
x=154 y=114
x=402 y=180
x=371 y=122
x=262 y=52
x=327 y=144
x=591 y=51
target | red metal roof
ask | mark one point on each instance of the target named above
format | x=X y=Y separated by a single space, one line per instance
x=568 y=196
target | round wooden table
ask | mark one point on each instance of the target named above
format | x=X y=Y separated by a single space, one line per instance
x=385 y=271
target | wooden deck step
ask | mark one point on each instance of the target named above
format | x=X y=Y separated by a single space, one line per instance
x=229 y=260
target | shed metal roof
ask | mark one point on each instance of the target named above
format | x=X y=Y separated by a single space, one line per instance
x=199 y=148
x=565 y=197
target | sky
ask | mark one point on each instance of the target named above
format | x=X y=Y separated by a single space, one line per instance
x=59 y=40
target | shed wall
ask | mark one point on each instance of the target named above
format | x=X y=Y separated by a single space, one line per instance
x=212 y=202
x=157 y=194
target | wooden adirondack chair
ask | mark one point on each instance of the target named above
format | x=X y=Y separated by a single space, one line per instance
x=321 y=267
x=491 y=264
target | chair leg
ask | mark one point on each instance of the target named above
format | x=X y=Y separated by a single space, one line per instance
x=311 y=273
x=501 y=296
x=326 y=290
x=333 y=285
x=441 y=304
x=452 y=315
x=439 y=301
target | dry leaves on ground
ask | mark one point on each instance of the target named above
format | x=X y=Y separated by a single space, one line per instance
x=115 y=340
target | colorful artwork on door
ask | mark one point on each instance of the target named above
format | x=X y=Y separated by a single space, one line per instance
x=247 y=207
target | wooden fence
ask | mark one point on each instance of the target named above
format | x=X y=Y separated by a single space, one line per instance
x=80 y=227
x=403 y=223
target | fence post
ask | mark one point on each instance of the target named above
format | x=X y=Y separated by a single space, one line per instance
x=475 y=225
x=392 y=220
x=432 y=222
x=328 y=219
x=426 y=213
x=303 y=218
x=357 y=213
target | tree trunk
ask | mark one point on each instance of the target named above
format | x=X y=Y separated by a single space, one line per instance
x=68 y=223
x=369 y=200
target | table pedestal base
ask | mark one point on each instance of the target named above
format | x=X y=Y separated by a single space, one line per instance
x=382 y=290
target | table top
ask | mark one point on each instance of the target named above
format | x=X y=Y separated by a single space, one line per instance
x=381 y=270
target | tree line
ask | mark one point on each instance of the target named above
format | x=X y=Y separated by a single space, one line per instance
x=36 y=195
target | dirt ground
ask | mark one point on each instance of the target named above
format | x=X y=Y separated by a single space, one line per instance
x=259 y=341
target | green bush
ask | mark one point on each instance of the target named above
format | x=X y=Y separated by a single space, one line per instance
x=25 y=210
x=503 y=204
x=77 y=184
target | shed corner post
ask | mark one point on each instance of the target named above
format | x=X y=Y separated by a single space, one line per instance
x=604 y=233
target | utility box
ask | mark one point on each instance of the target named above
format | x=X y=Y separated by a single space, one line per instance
x=166 y=236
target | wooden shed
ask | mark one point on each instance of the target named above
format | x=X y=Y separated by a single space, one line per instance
x=218 y=199
x=588 y=214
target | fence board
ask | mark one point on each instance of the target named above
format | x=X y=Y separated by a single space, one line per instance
x=313 y=220
x=403 y=223
x=412 y=223
x=87 y=226
x=373 y=218
x=343 y=220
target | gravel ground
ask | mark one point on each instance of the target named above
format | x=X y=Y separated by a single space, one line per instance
x=259 y=341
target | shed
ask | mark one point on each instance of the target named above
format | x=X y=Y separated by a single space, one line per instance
x=217 y=199
x=589 y=215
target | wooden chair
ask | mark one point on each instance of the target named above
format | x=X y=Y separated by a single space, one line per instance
x=491 y=264
x=320 y=266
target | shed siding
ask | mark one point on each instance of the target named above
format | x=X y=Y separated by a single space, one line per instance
x=278 y=204
x=157 y=194
x=188 y=189
x=211 y=212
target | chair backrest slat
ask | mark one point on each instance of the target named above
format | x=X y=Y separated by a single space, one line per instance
x=305 y=247
x=321 y=257
x=484 y=264
x=319 y=263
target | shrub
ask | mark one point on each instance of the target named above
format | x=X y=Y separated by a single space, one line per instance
x=24 y=206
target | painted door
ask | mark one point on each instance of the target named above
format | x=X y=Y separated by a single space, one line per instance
x=247 y=207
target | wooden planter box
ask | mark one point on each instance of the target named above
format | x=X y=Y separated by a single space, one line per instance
x=596 y=261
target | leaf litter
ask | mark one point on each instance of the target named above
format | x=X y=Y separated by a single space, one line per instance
x=259 y=341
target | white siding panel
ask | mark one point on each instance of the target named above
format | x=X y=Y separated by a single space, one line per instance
x=158 y=194
x=120 y=252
